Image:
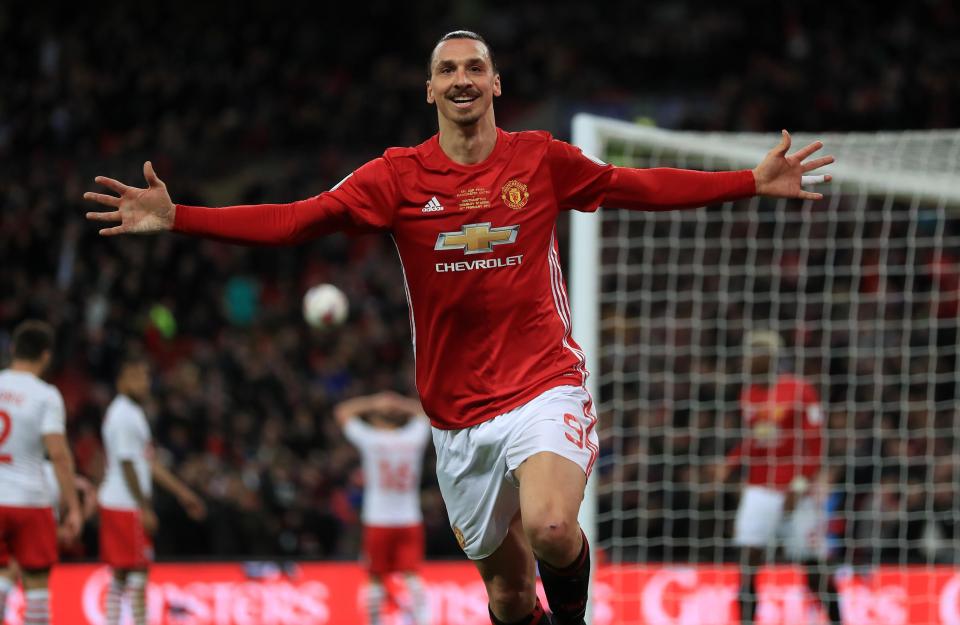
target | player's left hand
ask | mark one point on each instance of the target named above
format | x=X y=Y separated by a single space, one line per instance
x=783 y=175
x=194 y=507
x=71 y=526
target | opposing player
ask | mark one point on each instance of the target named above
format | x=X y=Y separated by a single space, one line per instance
x=32 y=422
x=781 y=453
x=391 y=442
x=127 y=519
x=473 y=212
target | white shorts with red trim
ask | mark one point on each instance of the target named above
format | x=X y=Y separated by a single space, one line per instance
x=475 y=465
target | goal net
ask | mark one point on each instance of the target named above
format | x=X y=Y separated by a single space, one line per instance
x=863 y=287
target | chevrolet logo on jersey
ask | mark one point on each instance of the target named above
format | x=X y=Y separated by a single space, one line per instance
x=477 y=238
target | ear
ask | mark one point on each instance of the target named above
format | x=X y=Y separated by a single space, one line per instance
x=496 y=85
x=430 y=98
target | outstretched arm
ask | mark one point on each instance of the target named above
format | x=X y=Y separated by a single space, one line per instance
x=583 y=183
x=779 y=175
x=364 y=201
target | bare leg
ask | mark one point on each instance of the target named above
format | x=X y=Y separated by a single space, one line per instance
x=509 y=574
x=551 y=490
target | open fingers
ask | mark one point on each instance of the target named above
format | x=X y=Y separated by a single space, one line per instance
x=784 y=144
x=116 y=185
x=806 y=181
x=151 y=176
x=803 y=153
x=109 y=232
x=102 y=198
x=817 y=163
x=111 y=216
x=804 y=195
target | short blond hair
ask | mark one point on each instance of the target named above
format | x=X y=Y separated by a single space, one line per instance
x=763 y=340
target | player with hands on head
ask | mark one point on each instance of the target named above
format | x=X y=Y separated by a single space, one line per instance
x=391 y=433
x=127 y=518
x=32 y=422
x=473 y=212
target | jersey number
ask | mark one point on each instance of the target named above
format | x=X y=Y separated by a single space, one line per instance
x=396 y=477
x=6 y=425
x=576 y=434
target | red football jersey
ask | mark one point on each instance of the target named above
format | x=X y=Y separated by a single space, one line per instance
x=489 y=314
x=783 y=432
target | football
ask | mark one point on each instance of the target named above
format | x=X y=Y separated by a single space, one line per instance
x=324 y=306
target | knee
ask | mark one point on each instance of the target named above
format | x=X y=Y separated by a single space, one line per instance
x=553 y=538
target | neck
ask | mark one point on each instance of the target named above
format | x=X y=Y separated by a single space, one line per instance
x=765 y=380
x=126 y=392
x=27 y=366
x=468 y=145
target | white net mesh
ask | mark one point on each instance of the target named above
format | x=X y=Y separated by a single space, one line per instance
x=864 y=288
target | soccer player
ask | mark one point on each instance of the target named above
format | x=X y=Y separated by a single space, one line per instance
x=391 y=442
x=32 y=421
x=781 y=452
x=127 y=519
x=473 y=212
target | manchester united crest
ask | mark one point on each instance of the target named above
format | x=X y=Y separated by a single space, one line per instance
x=459 y=536
x=514 y=194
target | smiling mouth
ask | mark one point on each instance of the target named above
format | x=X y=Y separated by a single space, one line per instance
x=464 y=101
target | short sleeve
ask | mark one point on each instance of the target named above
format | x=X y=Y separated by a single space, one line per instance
x=369 y=196
x=357 y=432
x=54 y=419
x=128 y=439
x=579 y=181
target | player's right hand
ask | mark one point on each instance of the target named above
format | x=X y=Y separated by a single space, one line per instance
x=138 y=211
x=149 y=519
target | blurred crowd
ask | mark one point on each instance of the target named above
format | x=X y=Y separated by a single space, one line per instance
x=263 y=103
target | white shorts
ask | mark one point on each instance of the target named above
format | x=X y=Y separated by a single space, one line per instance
x=760 y=523
x=475 y=465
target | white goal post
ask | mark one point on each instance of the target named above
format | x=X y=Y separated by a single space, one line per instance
x=864 y=286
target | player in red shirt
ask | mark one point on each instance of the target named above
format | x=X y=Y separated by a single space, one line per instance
x=473 y=212
x=391 y=441
x=781 y=452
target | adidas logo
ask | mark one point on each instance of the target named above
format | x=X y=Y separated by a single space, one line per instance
x=433 y=205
